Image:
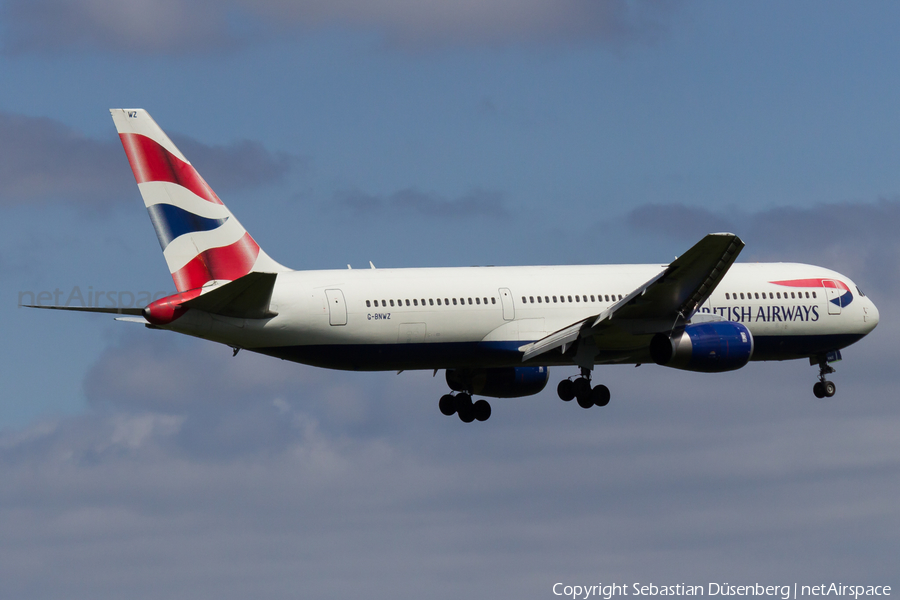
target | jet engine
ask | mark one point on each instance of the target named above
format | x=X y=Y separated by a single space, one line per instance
x=502 y=382
x=705 y=347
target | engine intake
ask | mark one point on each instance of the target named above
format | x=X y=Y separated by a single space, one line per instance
x=501 y=382
x=704 y=347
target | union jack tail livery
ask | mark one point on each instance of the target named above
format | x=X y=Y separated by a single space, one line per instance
x=200 y=238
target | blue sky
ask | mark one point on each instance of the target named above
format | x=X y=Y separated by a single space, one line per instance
x=457 y=133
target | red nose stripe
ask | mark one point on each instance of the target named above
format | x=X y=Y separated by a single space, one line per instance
x=829 y=283
x=151 y=162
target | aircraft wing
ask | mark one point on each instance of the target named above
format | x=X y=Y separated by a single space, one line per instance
x=665 y=301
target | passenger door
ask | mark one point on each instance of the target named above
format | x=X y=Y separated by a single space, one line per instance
x=337 y=308
x=509 y=308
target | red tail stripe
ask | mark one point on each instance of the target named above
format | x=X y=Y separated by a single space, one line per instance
x=151 y=162
x=829 y=283
x=225 y=263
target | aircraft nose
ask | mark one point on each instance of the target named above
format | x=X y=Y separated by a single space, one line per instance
x=871 y=317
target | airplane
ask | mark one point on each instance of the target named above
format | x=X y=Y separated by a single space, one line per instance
x=494 y=330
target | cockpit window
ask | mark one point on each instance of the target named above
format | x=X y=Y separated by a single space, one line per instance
x=861 y=295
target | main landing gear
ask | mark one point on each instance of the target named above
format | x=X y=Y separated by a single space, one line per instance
x=581 y=389
x=461 y=404
x=824 y=388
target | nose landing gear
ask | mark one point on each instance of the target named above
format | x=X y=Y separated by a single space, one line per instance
x=581 y=390
x=461 y=404
x=824 y=388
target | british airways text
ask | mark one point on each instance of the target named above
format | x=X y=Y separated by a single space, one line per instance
x=765 y=314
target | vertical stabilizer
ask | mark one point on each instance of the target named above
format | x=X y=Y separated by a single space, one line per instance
x=200 y=238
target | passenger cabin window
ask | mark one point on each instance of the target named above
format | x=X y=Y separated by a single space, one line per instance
x=814 y=294
x=493 y=300
x=454 y=302
x=431 y=301
x=477 y=300
x=368 y=304
x=524 y=301
x=726 y=296
x=554 y=299
x=392 y=302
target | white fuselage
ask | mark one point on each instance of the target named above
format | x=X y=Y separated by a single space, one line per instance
x=391 y=319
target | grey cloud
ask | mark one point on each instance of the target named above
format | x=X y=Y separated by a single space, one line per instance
x=140 y=26
x=411 y=23
x=43 y=159
x=741 y=481
x=859 y=237
x=176 y=26
x=240 y=164
x=477 y=203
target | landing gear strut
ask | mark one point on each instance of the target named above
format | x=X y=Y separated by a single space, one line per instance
x=824 y=388
x=461 y=404
x=581 y=390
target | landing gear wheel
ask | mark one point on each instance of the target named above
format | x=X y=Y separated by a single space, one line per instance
x=482 y=410
x=582 y=387
x=464 y=408
x=447 y=405
x=585 y=401
x=600 y=395
x=824 y=388
x=566 y=390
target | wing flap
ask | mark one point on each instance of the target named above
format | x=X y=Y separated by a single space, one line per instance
x=562 y=338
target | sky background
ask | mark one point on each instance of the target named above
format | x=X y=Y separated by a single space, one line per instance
x=138 y=464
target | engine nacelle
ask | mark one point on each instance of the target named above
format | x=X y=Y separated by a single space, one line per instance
x=501 y=382
x=705 y=347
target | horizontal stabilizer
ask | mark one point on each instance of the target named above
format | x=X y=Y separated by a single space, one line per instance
x=247 y=297
x=93 y=309
x=140 y=320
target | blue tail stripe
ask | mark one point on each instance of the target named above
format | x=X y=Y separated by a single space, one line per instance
x=171 y=222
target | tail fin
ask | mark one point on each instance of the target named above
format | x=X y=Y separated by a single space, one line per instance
x=200 y=238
